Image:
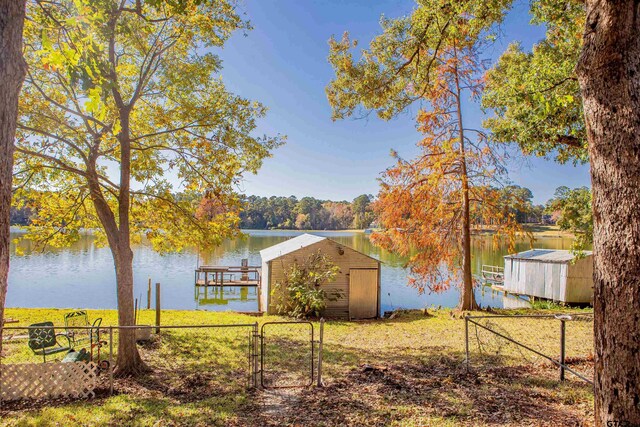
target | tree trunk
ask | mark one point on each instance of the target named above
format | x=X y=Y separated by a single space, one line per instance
x=609 y=75
x=129 y=360
x=12 y=72
x=467 y=298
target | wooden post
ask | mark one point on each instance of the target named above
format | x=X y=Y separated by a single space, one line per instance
x=245 y=269
x=320 y=352
x=157 y=308
x=466 y=340
x=149 y=294
x=562 y=348
x=111 y=367
x=254 y=354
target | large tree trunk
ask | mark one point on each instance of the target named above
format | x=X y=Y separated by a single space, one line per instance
x=129 y=361
x=467 y=298
x=609 y=75
x=12 y=72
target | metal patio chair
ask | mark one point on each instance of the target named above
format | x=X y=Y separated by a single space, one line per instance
x=82 y=337
x=43 y=340
x=89 y=338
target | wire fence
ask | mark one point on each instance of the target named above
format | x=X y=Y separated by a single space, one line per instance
x=178 y=361
x=183 y=362
x=287 y=355
x=537 y=339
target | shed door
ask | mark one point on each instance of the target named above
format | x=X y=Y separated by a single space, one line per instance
x=363 y=293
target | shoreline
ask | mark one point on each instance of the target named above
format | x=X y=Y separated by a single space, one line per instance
x=538 y=230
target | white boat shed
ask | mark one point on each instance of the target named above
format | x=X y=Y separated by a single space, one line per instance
x=551 y=274
x=358 y=279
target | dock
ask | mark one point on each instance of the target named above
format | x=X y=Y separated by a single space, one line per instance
x=218 y=275
x=493 y=274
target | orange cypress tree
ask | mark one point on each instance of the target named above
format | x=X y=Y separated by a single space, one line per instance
x=426 y=205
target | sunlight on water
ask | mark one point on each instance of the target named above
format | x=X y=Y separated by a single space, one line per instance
x=83 y=275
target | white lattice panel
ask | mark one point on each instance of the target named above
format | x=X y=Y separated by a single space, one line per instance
x=47 y=380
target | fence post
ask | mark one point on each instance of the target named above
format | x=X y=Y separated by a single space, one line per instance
x=254 y=355
x=562 y=348
x=321 y=340
x=149 y=294
x=466 y=340
x=111 y=360
x=157 y=308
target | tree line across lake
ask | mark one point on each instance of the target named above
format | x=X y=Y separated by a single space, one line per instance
x=568 y=208
x=307 y=213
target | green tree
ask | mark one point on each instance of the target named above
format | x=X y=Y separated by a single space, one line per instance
x=362 y=211
x=578 y=92
x=608 y=71
x=534 y=96
x=134 y=88
x=519 y=200
x=574 y=214
x=310 y=214
x=430 y=58
x=536 y=214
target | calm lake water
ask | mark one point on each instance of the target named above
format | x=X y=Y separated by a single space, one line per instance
x=83 y=276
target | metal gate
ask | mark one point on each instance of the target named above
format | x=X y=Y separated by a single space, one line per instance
x=288 y=354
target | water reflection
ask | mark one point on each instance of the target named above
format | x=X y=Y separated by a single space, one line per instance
x=215 y=296
x=83 y=275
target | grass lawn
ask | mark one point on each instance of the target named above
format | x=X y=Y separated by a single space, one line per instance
x=538 y=231
x=408 y=371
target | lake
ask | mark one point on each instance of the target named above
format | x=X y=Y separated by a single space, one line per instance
x=83 y=275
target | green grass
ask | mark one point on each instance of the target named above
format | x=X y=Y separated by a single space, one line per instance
x=538 y=231
x=199 y=376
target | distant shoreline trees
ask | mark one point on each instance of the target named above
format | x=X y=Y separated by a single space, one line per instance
x=307 y=213
x=291 y=213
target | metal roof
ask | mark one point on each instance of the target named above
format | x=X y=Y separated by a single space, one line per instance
x=288 y=246
x=546 y=255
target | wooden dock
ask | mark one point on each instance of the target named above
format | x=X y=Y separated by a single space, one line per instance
x=217 y=275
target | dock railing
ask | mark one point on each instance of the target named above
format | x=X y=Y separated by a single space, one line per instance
x=492 y=273
x=218 y=275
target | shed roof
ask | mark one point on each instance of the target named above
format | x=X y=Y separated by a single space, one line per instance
x=546 y=255
x=288 y=246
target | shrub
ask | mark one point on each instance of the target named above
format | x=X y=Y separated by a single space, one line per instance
x=301 y=292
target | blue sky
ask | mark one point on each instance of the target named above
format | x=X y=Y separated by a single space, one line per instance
x=282 y=63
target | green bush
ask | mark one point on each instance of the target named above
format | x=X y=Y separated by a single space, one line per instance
x=301 y=292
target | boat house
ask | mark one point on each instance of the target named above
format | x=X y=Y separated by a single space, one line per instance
x=358 y=280
x=551 y=274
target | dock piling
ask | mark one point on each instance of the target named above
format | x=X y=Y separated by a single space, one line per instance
x=157 y=308
x=149 y=294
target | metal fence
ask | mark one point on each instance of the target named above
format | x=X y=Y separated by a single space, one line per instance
x=287 y=355
x=183 y=361
x=558 y=339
